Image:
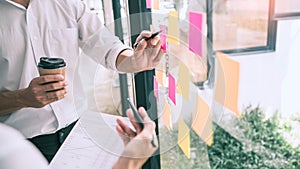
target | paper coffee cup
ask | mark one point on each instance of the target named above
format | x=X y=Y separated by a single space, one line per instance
x=52 y=66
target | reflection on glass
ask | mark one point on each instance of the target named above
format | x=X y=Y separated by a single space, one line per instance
x=240 y=24
x=287 y=6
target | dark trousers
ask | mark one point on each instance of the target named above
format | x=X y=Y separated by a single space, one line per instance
x=50 y=143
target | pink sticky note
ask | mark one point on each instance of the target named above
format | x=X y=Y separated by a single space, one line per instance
x=149 y=3
x=195 y=32
x=172 y=88
x=155 y=87
x=163 y=37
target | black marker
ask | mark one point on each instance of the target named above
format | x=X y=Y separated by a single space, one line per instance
x=140 y=120
x=147 y=38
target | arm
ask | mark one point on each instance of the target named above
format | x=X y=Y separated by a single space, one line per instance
x=138 y=147
x=41 y=91
x=146 y=55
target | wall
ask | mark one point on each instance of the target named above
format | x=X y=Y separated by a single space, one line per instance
x=272 y=80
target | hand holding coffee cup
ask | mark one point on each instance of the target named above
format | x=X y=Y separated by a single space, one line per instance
x=49 y=87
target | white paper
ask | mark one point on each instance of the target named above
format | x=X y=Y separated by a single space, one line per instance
x=93 y=143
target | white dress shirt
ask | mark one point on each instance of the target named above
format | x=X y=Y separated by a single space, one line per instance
x=53 y=28
x=17 y=152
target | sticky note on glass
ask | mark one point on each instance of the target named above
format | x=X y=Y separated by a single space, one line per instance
x=195 y=32
x=172 y=89
x=163 y=37
x=184 y=138
x=148 y=3
x=160 y=76
x=173 y=28
x=167 y=115
x=156 y=4
x=227 y=83
x=155 y=86
x=202 y=123
x=184 y=81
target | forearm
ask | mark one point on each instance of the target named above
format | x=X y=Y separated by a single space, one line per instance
x=127 y=163
x=123 y=62
x=11 y=101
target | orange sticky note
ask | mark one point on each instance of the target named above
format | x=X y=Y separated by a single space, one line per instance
x=227 y=83
x=173 y=28
x=156 y=4
x=160 y=76
x=167 y=115
x=184 y=138
x=184 y=81
x=202 y=124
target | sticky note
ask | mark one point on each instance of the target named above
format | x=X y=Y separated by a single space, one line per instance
x=155 y=86
x=227 y=83
x=160 y=76
x=173 y=28
x=184 y=80
x=148 y=3
x=156 y=4
x=167 y=115
x=184 y=138
x=202 y=123
x=172 y=89
x=163 y=37
x=195 y=32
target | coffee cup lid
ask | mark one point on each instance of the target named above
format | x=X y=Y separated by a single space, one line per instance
x=51 y=63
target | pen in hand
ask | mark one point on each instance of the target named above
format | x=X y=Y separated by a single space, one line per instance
x=140 y=120
x=147 y=38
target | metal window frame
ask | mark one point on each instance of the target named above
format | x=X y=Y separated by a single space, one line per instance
x=140 y=19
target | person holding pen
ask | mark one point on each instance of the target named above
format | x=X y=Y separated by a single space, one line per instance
x=17 y=152
x=42 y=107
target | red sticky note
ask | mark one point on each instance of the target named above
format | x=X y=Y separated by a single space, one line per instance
x=195 y=32
x=163 y=37
x=148 y=3
x=172 y=88
x=155 y=87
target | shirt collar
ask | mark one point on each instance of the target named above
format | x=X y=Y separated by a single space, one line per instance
x=16 y=4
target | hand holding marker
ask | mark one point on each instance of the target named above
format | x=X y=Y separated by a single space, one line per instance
x=140 y=120
x=147 y=38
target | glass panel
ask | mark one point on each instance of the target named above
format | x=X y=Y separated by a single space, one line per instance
x=287 y=6
x=240 y=24
x=185 y=67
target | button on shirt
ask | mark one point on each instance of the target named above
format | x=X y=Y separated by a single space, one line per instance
x=53 y=28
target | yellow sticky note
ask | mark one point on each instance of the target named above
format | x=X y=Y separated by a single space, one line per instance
x=184 y=138
x=227 y=83
x=173 y=28
x=160 y=77
x=167 y=115
x=202 y=124
x=156 y=4
x=184 y=81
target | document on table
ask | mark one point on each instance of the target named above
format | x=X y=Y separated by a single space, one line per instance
x=93 y=143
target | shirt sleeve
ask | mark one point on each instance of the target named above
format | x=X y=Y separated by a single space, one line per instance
x=96 y=40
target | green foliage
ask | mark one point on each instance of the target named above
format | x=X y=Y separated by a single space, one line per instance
x=274 y=151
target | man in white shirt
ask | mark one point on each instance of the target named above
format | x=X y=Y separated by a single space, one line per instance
x=36 y=105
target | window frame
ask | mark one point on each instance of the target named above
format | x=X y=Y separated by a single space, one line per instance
x=271 y=37
x=285 y=15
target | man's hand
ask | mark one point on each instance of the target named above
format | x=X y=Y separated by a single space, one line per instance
x=138 y=147
x=44 y=90
x=146 y=55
